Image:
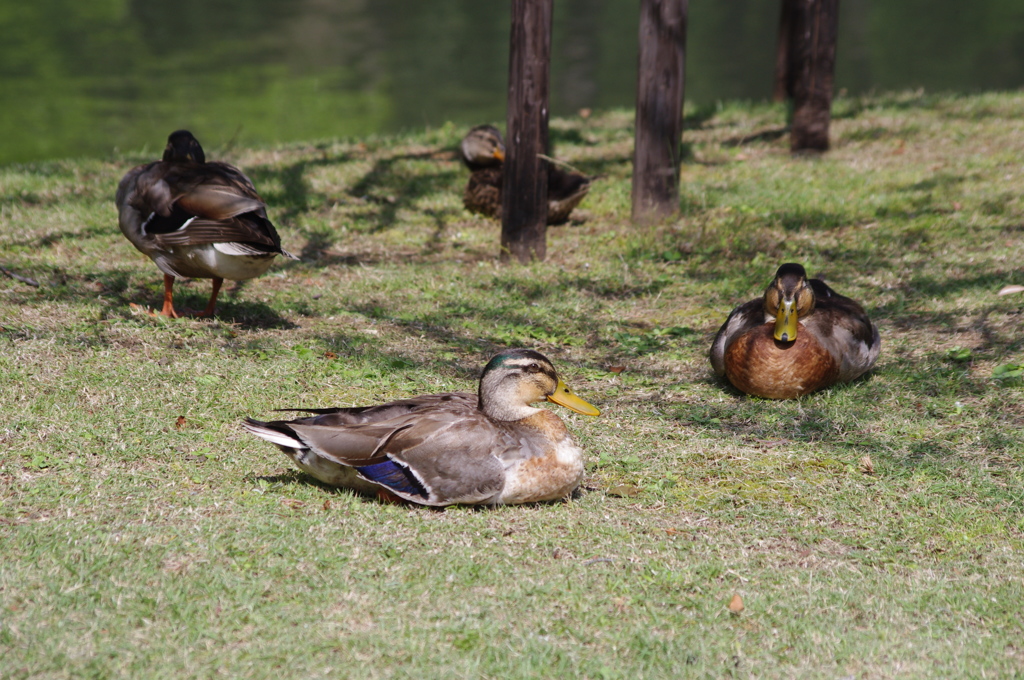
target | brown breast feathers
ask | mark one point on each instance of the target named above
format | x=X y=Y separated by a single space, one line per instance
x=758 y=364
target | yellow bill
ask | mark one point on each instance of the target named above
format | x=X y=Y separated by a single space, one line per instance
x=563 y=396
x=785 y=321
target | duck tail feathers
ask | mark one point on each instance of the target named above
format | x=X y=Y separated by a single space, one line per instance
x=271 y=434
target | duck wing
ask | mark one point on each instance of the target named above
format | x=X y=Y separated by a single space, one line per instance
x=432 y=450
x=565 y=191
x=461 y=402
x=844 y=330
x=843 y=311
x=195 y=204
x=748 y=315
x=562 y=183
x=444 y=458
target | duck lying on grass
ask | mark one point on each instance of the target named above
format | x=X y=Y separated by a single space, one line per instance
x=475 y=449
x=799 y=337
x=483 y=152
x=196 y=219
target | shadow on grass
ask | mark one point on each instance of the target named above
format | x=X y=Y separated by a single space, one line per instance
x=696 y=118
x=391 y=190
x=298 y=478
x=833 y=427
x=295 y=196
x=504 y=316
x=384 y=190
x=116 y=294
x=852 y=107
x=769 y=135
x=70 y=235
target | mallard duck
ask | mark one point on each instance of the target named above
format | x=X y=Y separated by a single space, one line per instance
x=474 y=449
x=483 y=152
x=799 y=337
x=196 y=219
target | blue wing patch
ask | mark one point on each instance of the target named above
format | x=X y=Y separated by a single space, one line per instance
x=395 y=477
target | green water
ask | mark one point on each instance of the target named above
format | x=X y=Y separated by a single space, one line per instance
x=88 y=77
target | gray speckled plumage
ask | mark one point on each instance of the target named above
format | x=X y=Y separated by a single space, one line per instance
x=441 y=449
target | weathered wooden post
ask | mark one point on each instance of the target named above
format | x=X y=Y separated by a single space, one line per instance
x=783 y=89
x=810 y=72
x=659 y=108
x=525 y=184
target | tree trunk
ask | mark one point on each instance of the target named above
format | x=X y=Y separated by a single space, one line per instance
x=659 y=108
x=815 y=28
x=524 y=203
x=783 y=89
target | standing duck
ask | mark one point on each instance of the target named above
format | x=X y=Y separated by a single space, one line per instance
x=799 y=337
x=483 y=152
x=196 y=219
x=488 y=448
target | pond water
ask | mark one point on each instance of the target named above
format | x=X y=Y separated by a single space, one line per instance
x=88 y=77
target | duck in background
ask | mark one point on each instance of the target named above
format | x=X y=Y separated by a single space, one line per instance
x=488 y=448
x=799 y=337
x=196 y=219
x=483 y=152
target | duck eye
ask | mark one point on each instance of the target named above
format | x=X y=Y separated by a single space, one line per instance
x=533 y=368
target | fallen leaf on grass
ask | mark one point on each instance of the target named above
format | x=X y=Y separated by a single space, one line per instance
x=736 y=605
x=327 y=504
x=179 y=423
x=1006 y=290
x=866 y=466
x=616 y=369
x=292 y=503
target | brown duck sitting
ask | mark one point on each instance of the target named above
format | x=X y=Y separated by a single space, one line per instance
x=196 y=219
x=800 y=337
x=483 y=152
x=488 y=448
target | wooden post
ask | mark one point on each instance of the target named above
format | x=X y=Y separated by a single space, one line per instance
x=659 y=108
x=524 y=202
x=812 y=61
x=783 y=89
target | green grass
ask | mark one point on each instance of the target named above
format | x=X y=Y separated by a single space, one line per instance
x=134 y=543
